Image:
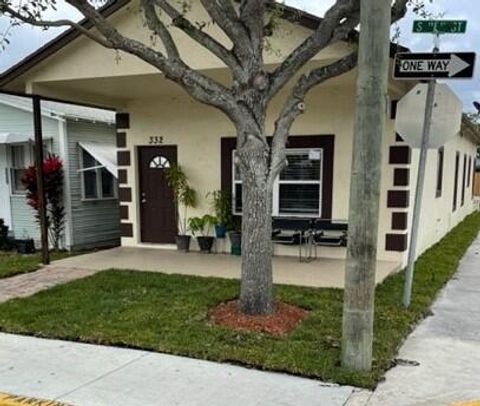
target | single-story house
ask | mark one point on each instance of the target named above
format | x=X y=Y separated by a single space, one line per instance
x=84 y=138
x=158 y=122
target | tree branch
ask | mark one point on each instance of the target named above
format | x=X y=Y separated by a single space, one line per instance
x=199 y=86
x=225 y=16
x=252 y=14
x=294 y=106
x=339 y=21
x=207 y=41
x=7 y=10
x=157 y=26
x=318 y=40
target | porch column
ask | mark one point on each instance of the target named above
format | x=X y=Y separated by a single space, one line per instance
x=125 y=174
x=398 y=195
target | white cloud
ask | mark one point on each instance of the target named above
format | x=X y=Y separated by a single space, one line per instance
x=25 y=39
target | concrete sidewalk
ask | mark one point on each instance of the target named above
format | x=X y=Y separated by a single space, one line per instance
x=90 y=375
x=446 y=346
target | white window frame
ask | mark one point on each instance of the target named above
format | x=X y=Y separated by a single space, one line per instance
x=28 y=160
x=98 y=173
x=278 y=182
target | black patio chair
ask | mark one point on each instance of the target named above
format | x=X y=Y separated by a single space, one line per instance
x=330 y=233
x=293 y=231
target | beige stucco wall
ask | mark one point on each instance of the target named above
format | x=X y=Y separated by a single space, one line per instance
x=197 y=130
x=438 y=217
x=85 y=71
x=84 y=58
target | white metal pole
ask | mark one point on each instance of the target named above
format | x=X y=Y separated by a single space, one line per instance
x=407 y=293
x=422 y=165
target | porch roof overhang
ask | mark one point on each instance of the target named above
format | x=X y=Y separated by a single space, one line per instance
x=104 y=154
x=14 y=138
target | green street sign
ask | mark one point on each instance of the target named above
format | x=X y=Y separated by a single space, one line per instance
x=440 y=26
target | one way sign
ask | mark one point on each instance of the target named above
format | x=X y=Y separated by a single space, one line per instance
x=452 y=65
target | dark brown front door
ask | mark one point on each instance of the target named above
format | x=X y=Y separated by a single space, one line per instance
x=157 y=210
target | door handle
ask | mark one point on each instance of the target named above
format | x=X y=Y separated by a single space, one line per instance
x=144 y=200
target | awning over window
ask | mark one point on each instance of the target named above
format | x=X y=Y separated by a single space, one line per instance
x=11 y=138
x=105 y=154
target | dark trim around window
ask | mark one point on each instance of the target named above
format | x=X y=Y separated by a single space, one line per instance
x=464 y=178
x=469 y=172
x=440 y=165
x=455 y=181
x=325 y=142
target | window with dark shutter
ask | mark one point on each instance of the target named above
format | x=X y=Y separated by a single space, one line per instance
x=440 y=163
x=455 y=181
x=297 y=191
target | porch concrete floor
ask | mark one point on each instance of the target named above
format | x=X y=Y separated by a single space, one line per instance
x=323 y=272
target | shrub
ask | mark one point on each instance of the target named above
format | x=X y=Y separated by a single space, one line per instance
x=53 y=177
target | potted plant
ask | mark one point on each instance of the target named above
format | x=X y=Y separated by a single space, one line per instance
x=184 y=196
x=221 y=203
x=201 y=227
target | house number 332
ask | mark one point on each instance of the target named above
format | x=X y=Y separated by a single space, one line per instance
x=156 y=140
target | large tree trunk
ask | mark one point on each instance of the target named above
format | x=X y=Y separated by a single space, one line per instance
x=256 y=294
x=365 y=185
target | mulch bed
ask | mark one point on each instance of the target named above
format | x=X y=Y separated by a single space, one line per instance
x=285 y=318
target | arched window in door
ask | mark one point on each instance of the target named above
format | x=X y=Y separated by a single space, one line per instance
x=159 y=162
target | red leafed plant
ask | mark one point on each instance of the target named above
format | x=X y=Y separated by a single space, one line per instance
x=53 y=183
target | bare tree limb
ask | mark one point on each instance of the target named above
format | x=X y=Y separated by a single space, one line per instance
x=224 y=15
x=158 y=27
x=207 y=41
x=318 y=40
x=9 y=11
x=295 y=106
x=199 y=86
x=252 y=14
x=340 y=20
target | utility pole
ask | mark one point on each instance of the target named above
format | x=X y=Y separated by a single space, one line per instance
x=372 y=87
x=37 y=128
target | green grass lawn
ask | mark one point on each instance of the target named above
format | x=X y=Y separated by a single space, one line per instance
x=12 y=263
x=169 y=313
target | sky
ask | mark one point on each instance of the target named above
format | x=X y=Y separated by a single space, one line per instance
x=25 y=39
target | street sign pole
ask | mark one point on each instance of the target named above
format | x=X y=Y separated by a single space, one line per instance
x=407 y=292
x=422 y=165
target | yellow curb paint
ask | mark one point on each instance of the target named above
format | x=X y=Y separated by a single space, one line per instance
x=14 y=400
x=467 y=403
